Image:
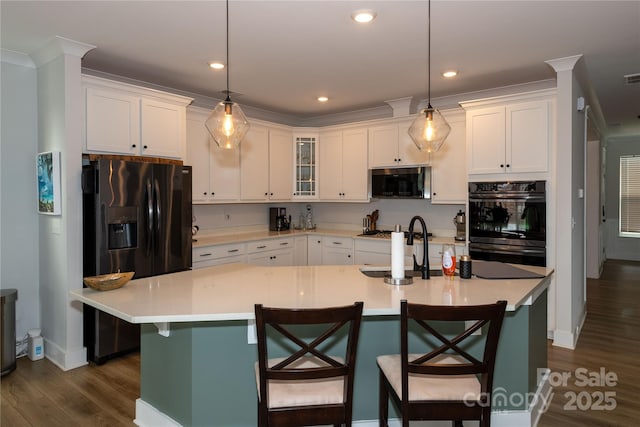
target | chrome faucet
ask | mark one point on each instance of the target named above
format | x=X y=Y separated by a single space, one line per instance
x=424 y=267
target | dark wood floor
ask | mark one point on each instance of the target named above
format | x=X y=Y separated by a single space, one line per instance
x=39 y=394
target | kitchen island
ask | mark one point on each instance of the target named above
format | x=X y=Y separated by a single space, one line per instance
x=197 y=354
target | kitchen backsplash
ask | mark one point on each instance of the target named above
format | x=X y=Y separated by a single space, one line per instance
x=439 y=218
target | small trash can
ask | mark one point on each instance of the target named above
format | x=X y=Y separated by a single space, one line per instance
x=8 y=299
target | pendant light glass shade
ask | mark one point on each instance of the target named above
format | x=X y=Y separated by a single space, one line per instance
x=429 y=130
x=227 y=124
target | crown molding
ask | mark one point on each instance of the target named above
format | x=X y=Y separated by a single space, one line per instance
x=16 y=58
x=57 y=46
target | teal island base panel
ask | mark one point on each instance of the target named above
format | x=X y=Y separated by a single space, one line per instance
x=203 y=373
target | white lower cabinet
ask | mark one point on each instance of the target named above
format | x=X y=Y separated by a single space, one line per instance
x=300 y=250
x=271 y=252
x=209 y=256
x=329 y=250
x=337 y=250
x=378 y=252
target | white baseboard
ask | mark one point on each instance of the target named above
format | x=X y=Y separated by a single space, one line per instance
x=65 y=360
x=567 y=339
x=148 y=416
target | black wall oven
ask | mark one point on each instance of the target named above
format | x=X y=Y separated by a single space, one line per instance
x=507 y=222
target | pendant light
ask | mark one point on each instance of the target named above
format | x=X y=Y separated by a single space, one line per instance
x=227 y=124
x=429 y=130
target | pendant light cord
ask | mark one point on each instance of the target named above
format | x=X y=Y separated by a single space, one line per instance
x=429 y=53
x=228 y=92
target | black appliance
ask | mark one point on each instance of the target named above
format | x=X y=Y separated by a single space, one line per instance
x=507 y=222
x=278 y=219
x=401 y=183
x=136 y=217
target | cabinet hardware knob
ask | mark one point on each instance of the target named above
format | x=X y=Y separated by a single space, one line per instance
x=501 y=165
x=133 y=145
x=213 y=194
x=145 y=147
x=266 y=194
x=349 y=256
x=508 y=165
x=205 y=193
x=271 y=194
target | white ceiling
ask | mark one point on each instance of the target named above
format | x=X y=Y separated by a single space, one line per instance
x=284 y=54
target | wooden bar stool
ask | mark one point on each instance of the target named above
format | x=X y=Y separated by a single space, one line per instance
x=307 y=383
x=445 y=383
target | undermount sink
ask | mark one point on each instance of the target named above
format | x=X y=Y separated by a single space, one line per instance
x=382 y=272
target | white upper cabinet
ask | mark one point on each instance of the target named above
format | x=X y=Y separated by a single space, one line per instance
x=448 y=165
x=126 y=119
x=509 y=134
x=216 y=171
x=306 y=166
x=343 y=173
x=391 y=146
x=266 y=164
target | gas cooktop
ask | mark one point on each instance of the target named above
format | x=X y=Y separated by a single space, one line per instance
x=386 y=234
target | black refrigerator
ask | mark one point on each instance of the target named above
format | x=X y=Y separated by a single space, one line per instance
x=136 y=217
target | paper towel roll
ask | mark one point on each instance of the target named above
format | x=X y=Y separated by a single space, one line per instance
x=397 y=254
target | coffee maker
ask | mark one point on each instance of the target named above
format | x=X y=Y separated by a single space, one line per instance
x=278 y=220
x=460 y=221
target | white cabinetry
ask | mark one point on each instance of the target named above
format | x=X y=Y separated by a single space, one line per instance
x=305 y=168
x=337 y=250
x=126 y=119
x=300 y=250
x=266 y=164
x=216 y=171
x=271 y=252
x=329 y=250
x=314 y=250
x=343 y=174
x=509 y=134
x=448 y=165
x=391 y=146
x=378 y=252
x=208 y=256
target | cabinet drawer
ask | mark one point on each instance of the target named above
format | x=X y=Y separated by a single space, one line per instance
x=205 y=253
x=337 y=242
x=268 y=245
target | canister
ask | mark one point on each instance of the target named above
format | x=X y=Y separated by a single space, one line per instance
x=465 y=267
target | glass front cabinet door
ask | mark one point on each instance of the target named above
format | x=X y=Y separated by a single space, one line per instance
x=306 y=182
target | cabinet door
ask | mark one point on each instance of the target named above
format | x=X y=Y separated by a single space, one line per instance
x=448 y=166
x=162 y=129
x=198 y=157
x=254 y=164
x=314 y=250
x=112 y=121
x=280 y=165
x=354 y=165
x=330 y=165
x=337 y=256
x=486 y=140
x=408 y=152
x=383 y=146
x=300 y=250
x=224 y=173
x=527 y=138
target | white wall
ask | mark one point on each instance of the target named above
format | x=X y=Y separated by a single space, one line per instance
x=18 y=215
x=627 y=248
x=60 y=126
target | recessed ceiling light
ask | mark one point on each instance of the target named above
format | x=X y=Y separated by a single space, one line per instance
x=216 y=65
x=363 y=16
x=323 y=99
x=450 y=73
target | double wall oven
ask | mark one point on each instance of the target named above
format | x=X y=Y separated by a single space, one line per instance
x=507 y=222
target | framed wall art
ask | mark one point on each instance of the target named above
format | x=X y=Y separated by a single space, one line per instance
x=48 y=170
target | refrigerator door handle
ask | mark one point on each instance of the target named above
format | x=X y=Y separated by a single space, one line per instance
x=158 y=213
x=149 y=218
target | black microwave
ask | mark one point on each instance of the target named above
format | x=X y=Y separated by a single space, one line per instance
x=401 y=183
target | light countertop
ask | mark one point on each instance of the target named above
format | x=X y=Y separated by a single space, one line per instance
x=229 y=292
